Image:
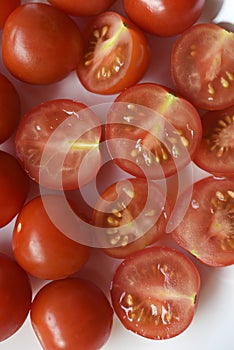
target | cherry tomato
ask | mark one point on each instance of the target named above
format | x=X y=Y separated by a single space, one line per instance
x=155 y=291
x=14 y=187
x=15 y=296
x=216 y=151
x=71 y=313
x=202 y=66
x=116 y=54
x=206 y=231
x=81 y=7
x=9 y=108
x=6 y=7
x=164 y=17
x=152 y=132
x=40 y=248
x=57 y=143
x=41 y=44
x=134 y=214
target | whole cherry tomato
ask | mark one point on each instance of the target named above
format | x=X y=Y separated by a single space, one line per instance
x=41 y=44
x=15 y=296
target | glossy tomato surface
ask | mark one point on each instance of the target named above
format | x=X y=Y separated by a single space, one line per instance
x=164 y=17
x=206 y=230
x=134 y=213
x=14 y=187
x=152 y=132
x=81 y=7
x=41 y=44
x=40 y=248
x=69 y=313
x=155 y=292
x=15 y=297
x=216 y=151
x=116 y=54
x=10 y=107
x=6 y=7
x=57 y=143
x=202 y=66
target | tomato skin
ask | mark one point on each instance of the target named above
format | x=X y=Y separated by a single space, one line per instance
x=14 y=187
x=54 y=146
x=166 y=17
x=15 y=296
x=6 y=7
x=146 y=123
x=55 y=52
x=10 y=107
x=81 y=8
x=206 y=230
x=147 y=203
x=80 y=310
x=202 y=66
x=118 y=59
x=40 y=248
x=215 y=153
x=155 y=291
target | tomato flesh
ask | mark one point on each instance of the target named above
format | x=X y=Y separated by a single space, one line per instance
x=151 y=132
x=202 y=66
x=207 y=230
x=154 y=292
x=116 y=54
x=69 y=313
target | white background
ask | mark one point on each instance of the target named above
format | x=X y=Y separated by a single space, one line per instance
x=212 y=327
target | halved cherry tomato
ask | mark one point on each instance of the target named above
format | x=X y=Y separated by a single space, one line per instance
x=152 y=132
x=207 y=229
x=202 y=66
x=164 y=17
x=216 y=151
x=116 y=54
x=6 y=7
x=81 y=7
x=40 y=248
x=41 y=44
x=71 y=313
x=155 y=291
x=134 y=213
x=57 y=143
x=9 y=108
x=14 y=187
x=15 y=296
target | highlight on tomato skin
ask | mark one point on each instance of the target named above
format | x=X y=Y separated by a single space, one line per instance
x=155 y=292
x=74 y=308
x=207 y=229
x=202 y=66
x=215 y=153
x=116 y=54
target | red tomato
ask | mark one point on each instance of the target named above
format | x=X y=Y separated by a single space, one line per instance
x=14 y=187
x=71 y=313
x=6 y=7
x=154 y=292
x=15 y=297
x=9 y=108
x=57 y=143
x=151 y=132
x=116 y=54
x=81 y=7
x=206 y=230
x=164 y=17
x=216 y=151
x=202 y=64
x=41 y=44
x=40 y=248
x=134 y=213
